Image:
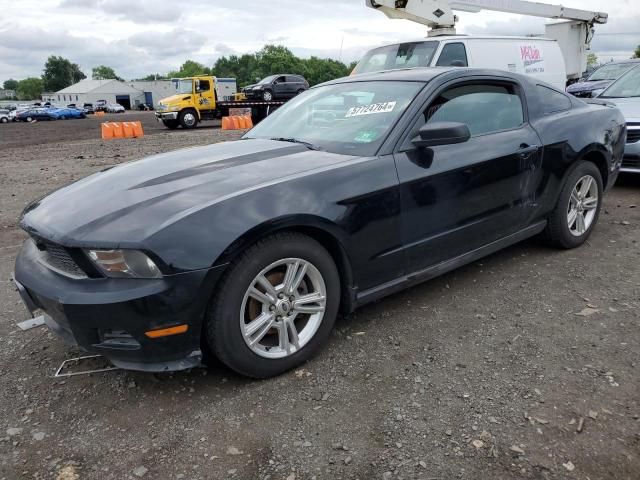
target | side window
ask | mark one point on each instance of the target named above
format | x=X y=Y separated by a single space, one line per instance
x=293 y=79
x=453 y=55
x=280 y=79
x=484 y=108
x=204 y=86
x=552 y=100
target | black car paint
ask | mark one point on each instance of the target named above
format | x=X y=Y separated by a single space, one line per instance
x=389 y=220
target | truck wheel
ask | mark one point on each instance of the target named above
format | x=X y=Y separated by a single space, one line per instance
x=267 y=95
x=188 y=119
x=171 y=124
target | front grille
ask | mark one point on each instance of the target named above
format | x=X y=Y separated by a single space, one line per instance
x=58 y=258
x=631 y=163
x=633 y=132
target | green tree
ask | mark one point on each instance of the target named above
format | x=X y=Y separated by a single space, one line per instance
x=190 y=68
x=30 y=88
x=592 y=60
x=317 y=70
x=273 y=59
x=636 y=54
x=102 y=72
x=152 y=77
x=10 y=84
x=60 y=73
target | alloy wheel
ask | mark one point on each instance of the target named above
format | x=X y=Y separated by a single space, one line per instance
x=283 y=308
x=583 y=205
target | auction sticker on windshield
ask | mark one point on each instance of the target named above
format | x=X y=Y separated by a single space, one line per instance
x=382 y=107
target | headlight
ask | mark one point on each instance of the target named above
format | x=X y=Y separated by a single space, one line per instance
x=124 y=263
x=596 y=92
x=257 y=88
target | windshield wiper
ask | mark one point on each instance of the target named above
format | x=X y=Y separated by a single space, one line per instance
x=310 y=146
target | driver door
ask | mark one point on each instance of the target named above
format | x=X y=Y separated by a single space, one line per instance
x=204 y=92
x=459 y=197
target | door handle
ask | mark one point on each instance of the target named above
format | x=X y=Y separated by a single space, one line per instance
x=526 y=150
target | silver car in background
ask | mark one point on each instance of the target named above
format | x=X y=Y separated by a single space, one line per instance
x=625 y=93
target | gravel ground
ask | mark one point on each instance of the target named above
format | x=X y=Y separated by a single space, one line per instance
x=522 y=365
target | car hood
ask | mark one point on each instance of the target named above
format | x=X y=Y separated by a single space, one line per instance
x=630 y=107
x=588 y=86
x=124 y=205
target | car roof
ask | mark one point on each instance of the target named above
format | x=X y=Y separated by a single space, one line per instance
x=619 y=62
x=422 y=74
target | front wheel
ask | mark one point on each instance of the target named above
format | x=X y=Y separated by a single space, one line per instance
x=578 y=208
x=188 y=119
x=267 y=95
x=275 y=306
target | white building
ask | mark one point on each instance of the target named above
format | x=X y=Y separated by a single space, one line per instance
x=127 y=94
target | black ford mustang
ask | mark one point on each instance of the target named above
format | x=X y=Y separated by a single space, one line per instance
x=355 y=189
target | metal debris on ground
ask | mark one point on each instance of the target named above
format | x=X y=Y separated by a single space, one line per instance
x=32 y=323
x=72 y=362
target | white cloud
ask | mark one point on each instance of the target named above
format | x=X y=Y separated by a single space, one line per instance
x=149 y=36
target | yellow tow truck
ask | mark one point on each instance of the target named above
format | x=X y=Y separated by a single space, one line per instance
x=207 y=98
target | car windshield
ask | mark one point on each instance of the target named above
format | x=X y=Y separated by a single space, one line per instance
x=393 y=57
x=626 y=86
x=610 y=72
x=349 y=118
x=184 y=86
x=266 y=80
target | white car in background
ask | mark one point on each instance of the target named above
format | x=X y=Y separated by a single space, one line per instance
x=115 y=108
x=625 y=93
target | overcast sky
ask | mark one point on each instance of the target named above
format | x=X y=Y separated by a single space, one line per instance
x=138 y=37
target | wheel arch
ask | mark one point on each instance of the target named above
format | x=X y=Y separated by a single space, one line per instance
x=317 y=228
x=598 y=157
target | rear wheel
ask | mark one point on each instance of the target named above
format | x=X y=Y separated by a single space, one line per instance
x=578 y=208
x=275 y=306
x=188 y=119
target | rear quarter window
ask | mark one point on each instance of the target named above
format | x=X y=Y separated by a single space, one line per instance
x=552 y=101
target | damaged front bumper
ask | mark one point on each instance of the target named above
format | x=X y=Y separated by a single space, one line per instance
x=110 y=316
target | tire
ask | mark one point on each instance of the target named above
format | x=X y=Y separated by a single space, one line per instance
x=232 y=308
x=576 y=213
x=28 y=119
x=267 y=95
x=171 y=124
x=188 y=119
x=4 y=120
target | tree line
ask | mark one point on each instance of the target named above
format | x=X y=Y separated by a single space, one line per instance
x=60 y=72
x=248 y=68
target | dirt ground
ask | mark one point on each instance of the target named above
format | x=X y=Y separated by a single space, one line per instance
x=521 y=365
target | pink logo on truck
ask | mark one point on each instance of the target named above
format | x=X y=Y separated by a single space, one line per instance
x=530 y=55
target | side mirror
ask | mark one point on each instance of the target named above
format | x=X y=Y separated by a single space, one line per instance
x=197 y=85
x=441 y=133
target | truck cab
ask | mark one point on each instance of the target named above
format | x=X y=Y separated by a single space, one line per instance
x=196 y=99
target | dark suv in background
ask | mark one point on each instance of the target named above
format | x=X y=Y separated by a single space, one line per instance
x=276 y=87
